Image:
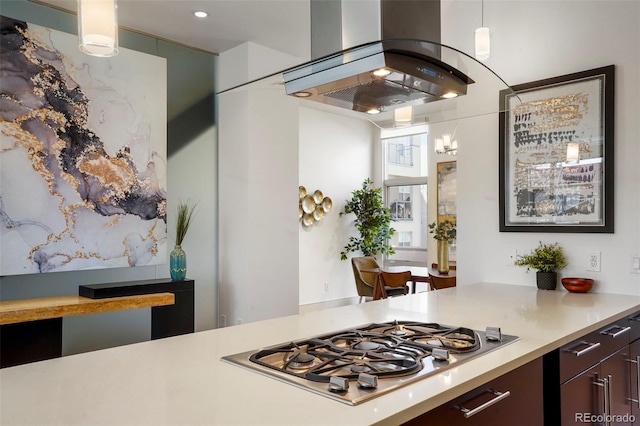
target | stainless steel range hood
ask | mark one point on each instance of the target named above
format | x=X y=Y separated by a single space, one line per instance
x=378 y=76
x=422 y=69
x=396 y=66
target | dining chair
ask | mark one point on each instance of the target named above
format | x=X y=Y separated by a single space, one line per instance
x=366 y=280
x=395 y=280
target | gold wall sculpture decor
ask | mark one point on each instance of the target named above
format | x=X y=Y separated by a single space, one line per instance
x=312 y=207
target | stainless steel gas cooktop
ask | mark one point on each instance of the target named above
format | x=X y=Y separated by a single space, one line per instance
x=358 y=364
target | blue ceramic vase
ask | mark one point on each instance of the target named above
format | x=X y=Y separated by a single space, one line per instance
x=178 y=264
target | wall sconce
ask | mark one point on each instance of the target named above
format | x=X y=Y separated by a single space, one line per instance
x=312 y=208
x=98 y=27
x=403 y=116
x=483 y=40
x=573 y=152
x=447 y=144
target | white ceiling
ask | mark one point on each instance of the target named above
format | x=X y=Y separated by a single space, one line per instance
x=283 y=25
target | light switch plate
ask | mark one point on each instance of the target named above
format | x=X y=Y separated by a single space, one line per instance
x=635 y=264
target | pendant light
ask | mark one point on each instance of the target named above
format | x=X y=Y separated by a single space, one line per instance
x=403 y=116
x=483 y=40
x=98 y=27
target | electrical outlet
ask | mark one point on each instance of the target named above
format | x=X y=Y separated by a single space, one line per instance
x=635 y=264
x=593 y=261
x=239 y=321
x=326 y=286
x=223 y=320
x=513 y=256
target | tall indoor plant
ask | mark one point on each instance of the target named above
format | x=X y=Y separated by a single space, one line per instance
x=372 y=221
x=178 y=257
x=546 y=259
x=444 y=233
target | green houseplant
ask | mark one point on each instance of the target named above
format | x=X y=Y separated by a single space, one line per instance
x=444 y=233
x=373 y=221
x=546 y=259
x=178 y=258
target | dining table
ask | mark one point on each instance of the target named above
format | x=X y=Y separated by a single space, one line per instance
x=446 y=278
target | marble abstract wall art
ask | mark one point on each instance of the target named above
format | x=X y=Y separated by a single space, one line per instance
x=83 y=155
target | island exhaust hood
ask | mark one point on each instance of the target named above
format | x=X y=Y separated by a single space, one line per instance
x=402 y=67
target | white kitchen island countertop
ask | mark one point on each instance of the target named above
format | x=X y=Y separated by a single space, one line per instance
x=181 y=380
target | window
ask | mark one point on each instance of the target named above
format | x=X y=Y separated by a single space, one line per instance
x=400 y=151
x=405 y=188
x=399 y=202
x=404 y=239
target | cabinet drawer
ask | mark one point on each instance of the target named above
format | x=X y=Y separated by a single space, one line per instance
x=582 y=353
x=514 y=398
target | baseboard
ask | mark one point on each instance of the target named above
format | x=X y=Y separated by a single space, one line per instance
x=328 y=304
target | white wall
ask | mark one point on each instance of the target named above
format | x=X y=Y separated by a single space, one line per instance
x=336 y=156
x=258 y=196
x=533 y=40
x=191 y=177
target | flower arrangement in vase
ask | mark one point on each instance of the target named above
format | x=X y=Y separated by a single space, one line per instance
x=178 y=258
x=444 y=233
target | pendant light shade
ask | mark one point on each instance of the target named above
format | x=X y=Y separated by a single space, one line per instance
x=483 y=43
x=403 y=115
x=98 y=27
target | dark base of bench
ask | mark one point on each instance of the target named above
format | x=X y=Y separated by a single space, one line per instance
x=30 y=342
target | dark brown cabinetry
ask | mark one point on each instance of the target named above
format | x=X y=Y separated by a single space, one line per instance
x=589 y=379
x=514 y=398
x=634 y=368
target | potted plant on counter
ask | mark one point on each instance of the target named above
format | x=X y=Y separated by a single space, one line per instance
x=546 y=259
x=373 y=221
x=444 y=233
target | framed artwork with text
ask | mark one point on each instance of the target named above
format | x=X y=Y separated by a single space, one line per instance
x=556 y=154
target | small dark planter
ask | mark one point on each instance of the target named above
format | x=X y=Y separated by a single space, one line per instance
x=546 y=280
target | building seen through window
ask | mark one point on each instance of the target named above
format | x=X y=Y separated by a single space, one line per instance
x=405 y=186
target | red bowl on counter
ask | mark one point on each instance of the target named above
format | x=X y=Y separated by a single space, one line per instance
x=577 y=285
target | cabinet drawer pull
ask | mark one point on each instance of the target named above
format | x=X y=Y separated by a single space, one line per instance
x=614 y=335
x=637 y=363
x=499 y=396
x=638 y=378
x=636 y=318
x=590 y=347
x=605 y=383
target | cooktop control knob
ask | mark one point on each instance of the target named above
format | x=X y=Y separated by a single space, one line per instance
x=338 y=384
x=493 y=334
x=367 y=381
x=440 y=354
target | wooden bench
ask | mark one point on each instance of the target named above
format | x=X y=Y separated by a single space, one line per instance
x=31 y=329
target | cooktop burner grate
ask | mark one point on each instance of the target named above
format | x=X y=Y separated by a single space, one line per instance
x=375 y=358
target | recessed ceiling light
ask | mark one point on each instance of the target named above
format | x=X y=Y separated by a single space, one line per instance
x=302 y=94
x=201 y=13
x=381 y=72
